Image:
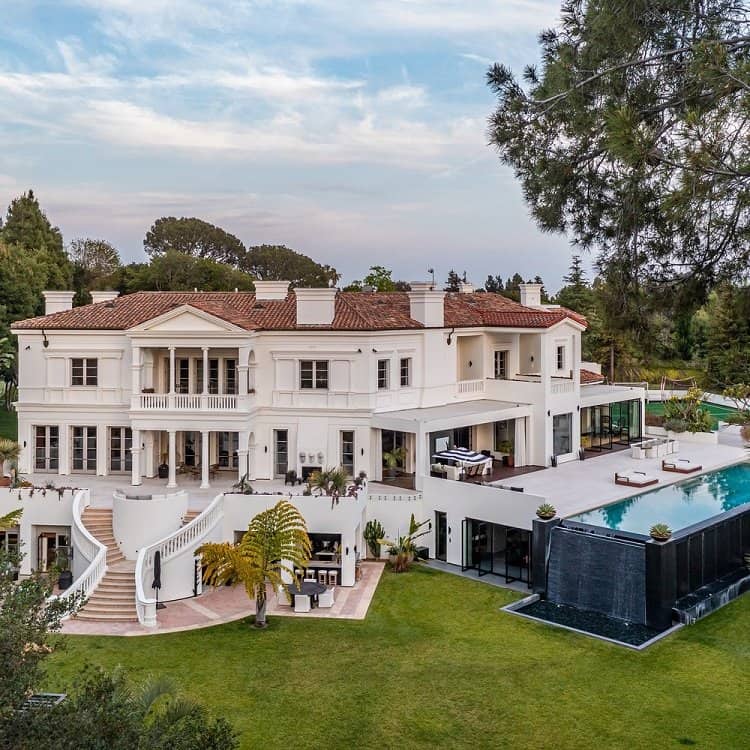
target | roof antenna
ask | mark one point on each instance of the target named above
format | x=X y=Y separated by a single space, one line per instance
x=432 y=271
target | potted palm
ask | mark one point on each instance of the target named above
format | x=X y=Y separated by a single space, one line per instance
x=329 y=482
x=393 y=459
x=506 y=447
x=9 y=451
x=65 y=579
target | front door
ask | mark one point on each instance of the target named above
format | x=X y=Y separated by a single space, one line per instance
x=441 y=535
x=190 y=448
x=228 y=445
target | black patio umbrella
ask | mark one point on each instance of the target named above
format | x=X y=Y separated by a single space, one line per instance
x=157 y=578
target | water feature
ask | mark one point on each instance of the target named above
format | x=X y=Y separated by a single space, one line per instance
x=597 y=574
x=701 y=602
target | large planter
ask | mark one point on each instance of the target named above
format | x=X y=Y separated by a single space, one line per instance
x=65 y=581
x=163 y=471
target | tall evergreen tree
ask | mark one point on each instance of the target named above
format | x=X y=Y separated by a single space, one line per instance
x=633 y=138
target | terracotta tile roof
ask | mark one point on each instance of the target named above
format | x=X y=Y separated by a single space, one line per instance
x=590 y=378
x=355 y=311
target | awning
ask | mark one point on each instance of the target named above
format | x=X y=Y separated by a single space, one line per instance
x=596 y=395
x=449 y=416
x=462 y=457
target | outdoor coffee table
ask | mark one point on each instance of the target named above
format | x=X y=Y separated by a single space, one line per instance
x=307 y=588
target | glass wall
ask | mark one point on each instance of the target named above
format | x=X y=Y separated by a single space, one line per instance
x=605 y=425
x=500 y=550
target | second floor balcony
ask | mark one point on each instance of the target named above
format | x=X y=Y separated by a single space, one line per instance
x=209 y=402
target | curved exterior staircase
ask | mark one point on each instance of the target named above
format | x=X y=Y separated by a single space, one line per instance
x=114 y=597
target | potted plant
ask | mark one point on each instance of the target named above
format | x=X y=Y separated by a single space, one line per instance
x=9 y=451
x=393 y=459
x=163 y=469
x=660 y=532
x=65 y=579
x=546 y=511
x=506 y=447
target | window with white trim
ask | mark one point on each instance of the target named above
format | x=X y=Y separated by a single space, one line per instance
x=313 y=374
x=383 y=366
x=501 y=364
x=84 y=371
x=405 y=367
x=560 y=357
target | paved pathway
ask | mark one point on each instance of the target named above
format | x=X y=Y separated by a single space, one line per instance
x=225 y=604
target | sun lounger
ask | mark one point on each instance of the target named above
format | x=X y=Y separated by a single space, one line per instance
x=634 y=479
x=680 y=465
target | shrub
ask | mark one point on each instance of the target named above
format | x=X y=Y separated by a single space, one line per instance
x=689 y=410
x=660 y=531
x=674 y=424
x=374 y=531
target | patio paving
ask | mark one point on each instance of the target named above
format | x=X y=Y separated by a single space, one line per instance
x=578 y=486
x=225 y=604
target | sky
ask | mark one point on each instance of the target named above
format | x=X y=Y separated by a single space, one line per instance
x=355 y=133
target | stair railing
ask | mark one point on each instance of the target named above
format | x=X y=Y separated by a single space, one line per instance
x=89 y=547
x=190 y=536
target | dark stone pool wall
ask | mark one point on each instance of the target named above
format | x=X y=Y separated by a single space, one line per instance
x=597 y=573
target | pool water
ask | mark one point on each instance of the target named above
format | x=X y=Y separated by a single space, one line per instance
x=677 y=505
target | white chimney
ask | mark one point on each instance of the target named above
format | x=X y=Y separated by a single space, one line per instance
x=271 y=289
x=57 y=301
x=426 y=304
x=531 y=295
x=315 y=307
x=465 y=287
x=104 y=296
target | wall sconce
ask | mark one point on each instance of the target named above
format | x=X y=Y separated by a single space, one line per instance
x=549 y=414
x=45 y=342
x=450 y=530
x=429 y=525
x=450 y=336
x=27 y=347
x=355 y=549
x=470 y=363
x=24 y=443
x=578 y=407
x=265 y=449
x=347 y=551
x=361 y=451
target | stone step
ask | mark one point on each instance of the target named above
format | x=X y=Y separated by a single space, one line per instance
x=99 y=616
x=110 y=605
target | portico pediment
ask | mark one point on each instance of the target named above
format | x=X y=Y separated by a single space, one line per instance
x=185 y=320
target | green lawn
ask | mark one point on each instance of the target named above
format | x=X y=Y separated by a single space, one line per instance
x=8 y=424
x=436 y=664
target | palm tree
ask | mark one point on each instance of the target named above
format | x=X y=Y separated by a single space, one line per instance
x=275 y=542
x=331 y=482
x=10 y=450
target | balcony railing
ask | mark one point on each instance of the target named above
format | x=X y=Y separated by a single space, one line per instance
x=185 y=401
x=564 y=386
x=469 y=387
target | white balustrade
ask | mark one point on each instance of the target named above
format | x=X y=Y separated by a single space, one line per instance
x=89 y=547
x=191 y=401
x=154 y=400
x=469 y=387
x=565 y=386
x=187 y=401
x=187 y=538
x=217 y=401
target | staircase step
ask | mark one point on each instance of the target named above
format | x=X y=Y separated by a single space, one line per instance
x=102 y=616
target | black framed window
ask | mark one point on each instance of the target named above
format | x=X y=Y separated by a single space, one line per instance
x=313 y=374
x=501 y=364
x=230 y=376
x=405 y=367
x=383 y=374
x=183 y=376
x=84 y=371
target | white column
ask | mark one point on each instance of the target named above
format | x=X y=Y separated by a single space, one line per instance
x=171 y=370
x=135 y=453
x=172 y=460
x=242 y=454
x=135 y=369
x=205 y=436
x=205 y=370
x=65 y=450
x=102 y=450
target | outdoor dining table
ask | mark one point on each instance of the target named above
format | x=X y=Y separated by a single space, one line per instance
x=306 y=588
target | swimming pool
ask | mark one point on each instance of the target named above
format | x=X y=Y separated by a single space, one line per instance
x=677 y=505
